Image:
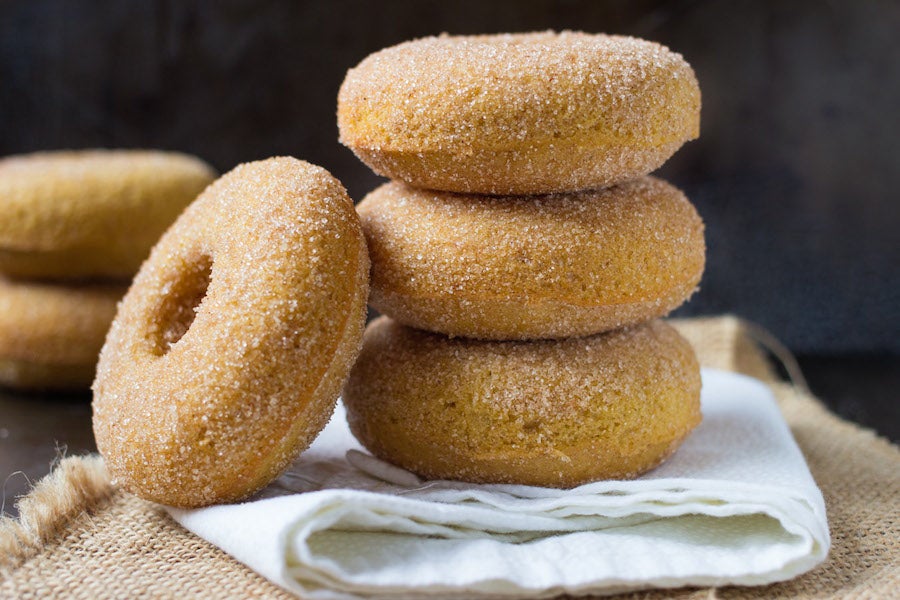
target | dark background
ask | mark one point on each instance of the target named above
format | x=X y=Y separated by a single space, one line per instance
x=796 y=171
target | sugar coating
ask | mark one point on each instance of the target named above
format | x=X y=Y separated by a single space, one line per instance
x=228 y=352
x=519 y=113
x=91 y=213
x=552 y=413
x=531 y=267
x=51 y=334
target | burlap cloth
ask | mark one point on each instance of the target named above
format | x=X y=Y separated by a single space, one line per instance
x=79 y=537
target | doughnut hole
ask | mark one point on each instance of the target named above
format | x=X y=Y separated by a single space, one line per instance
x=179 y=308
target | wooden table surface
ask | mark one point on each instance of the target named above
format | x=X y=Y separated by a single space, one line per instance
x=35 y=429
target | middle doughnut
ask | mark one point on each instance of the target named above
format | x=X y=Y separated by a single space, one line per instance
x=538 y=267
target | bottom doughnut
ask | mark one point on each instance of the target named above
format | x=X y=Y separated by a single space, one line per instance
x=51 y=335
x=555 y=413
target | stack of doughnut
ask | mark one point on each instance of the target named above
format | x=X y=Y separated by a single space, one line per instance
x=522 y=256
x=76 y=226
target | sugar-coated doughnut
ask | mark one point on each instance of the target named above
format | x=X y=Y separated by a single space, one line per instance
x=228 y=353
x=550 y=413
x=531 y=267
x=92 y=213
x=50 y=335
x=519 y=113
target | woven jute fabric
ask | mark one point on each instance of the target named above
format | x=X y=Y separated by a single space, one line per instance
x=79 y=537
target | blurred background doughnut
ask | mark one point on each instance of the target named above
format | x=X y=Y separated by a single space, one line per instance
x=50 y=335
x=91 y=214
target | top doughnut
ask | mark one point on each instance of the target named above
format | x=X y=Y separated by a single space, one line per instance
x=91 y=214
x=529 y=113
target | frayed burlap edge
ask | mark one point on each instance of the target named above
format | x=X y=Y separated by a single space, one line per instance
x=77 y=485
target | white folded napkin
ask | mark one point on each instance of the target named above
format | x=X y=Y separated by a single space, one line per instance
x=735 y=505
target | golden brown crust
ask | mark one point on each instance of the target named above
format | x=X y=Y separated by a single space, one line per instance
x=519 y=113
x=50 y=335
x=549 y=413
x=531 y=267
x=91 y=213
x=198 y=406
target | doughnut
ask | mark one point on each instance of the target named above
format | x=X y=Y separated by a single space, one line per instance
x=529 y=113
x=50 y=335
x=229 y=351
x=555 y=413
x=91 y=214
x=514 y=268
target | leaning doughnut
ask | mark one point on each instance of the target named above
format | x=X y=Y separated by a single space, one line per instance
x=92 y=213
x=50 y=335
x=548 y=413
x=519 y=113
x=531 y=267
x=228 y=353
